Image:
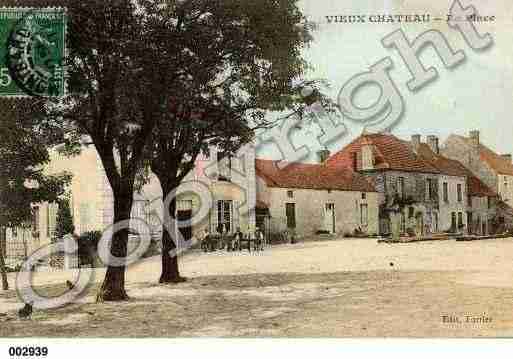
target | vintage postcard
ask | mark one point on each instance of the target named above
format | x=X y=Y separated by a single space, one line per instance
x=255 y=169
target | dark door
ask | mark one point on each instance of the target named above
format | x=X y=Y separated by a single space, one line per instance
x=453 y=222
x=290 y=211
x=460 y=221
x=186 y=230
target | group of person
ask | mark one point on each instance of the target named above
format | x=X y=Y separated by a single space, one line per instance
x=211 y=242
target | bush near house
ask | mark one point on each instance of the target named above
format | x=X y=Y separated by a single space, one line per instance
x=13 y=270
x=64 y=224
x=154 y=249
x=88 y=248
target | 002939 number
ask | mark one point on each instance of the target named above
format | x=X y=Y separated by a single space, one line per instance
x=20 y=352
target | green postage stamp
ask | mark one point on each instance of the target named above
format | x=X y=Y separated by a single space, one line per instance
x=32 y=50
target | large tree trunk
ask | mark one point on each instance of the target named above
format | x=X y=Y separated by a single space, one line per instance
x=113 y=287
x=170 y=271
x=3 y=239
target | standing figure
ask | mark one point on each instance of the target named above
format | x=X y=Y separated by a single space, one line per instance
x=259 y=240
x=204 y=240
x=236 y=239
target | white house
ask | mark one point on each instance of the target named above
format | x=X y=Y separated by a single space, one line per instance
x=313 y=198
x=230 y=182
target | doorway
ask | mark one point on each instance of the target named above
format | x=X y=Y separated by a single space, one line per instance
x=470 y=223
x=184 y=216
x=290 y=212
x=329 y=217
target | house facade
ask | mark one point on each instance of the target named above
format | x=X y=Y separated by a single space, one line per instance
x=414 y=181
x=313 y=198
x=466 y=203
x=89 y=202
x=230 y=183
x=493 y=169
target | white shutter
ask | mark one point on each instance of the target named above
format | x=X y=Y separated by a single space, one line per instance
x=184 y=205
x=53 y=208
x=213 y=217
x=84 y=217
x=236 y=215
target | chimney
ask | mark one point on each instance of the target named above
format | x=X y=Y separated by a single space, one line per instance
x=432 y=142
x=474 y=138
x=507 y=157
x=415 y=142
x=323 y=155
x=367 y=156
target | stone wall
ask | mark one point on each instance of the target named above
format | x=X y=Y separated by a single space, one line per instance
x=505 y=189
x=415 y=184
x=415 y=193
x=452 y=205
x=482 y=213
x=310 y=209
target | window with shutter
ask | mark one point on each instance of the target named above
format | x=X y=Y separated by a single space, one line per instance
x=364 y=212
x=420 y=189
x=84 y=217
x=401 y=191
x=290 y=213
x=213 y=218
x=35 y=221
x=225 y=167
x=236 y=215
x=51 y=219
x=224 y=216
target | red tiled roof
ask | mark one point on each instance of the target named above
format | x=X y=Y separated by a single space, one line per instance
x=454 y=168
x=389 y=153
x=494 y=160
x=445 y=165
x=478 y=189
x=311 y=176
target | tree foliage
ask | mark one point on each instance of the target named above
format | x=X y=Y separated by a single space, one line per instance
x=158 y=82
x=26 y=137
x=24 y=152
x=223 y=66
x=64 y=224
x=112 y=95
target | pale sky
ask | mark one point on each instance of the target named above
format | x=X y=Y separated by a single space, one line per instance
x=477 y=94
